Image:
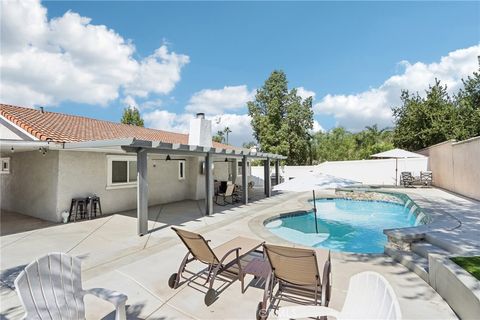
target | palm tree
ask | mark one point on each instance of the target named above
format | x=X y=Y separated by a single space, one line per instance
x=227 y=131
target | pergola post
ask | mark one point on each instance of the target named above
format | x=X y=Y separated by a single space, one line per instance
x=208 y=184
x=244 y=180
x=267 y=179
x=277 y=172
x=142 y=192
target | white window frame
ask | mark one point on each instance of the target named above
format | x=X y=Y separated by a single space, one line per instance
x=119 y=185
x=7 y=161
x=180 y=164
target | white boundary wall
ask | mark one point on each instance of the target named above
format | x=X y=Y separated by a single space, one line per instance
x=375 y=171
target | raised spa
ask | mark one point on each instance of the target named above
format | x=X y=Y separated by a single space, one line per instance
x=346 y=225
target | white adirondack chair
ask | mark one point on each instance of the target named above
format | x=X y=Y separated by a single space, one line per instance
x=369 y=296
x=51 y=288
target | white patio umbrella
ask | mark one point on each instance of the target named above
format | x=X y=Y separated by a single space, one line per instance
x=397 y=154
x=312 y=180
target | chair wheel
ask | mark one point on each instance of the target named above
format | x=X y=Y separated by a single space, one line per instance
x=210 y=296
x=172 y=280
x=261 y=312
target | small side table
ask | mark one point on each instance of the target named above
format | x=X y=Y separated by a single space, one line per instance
x=258 y=267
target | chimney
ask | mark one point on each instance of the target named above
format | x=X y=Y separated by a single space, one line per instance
x=200 y=133
x=42 y=110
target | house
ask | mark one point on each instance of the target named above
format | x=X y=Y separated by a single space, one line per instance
x=48 y=158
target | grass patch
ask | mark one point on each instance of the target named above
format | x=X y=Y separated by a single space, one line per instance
x=471 y=264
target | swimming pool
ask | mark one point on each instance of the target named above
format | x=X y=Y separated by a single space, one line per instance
x=345 y=225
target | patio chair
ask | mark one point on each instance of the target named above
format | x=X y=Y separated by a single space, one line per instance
x=219 y=259
x=229 y=193
x=51 y=288
x=426 y=178
x=369 y=296
x=406 y=179
x=296 y=274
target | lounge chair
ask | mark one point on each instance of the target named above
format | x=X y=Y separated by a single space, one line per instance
x=296 y=274
x=369 y=296
x=51 y=288
x=406 y=179
x=229 y=193
x=218 y=259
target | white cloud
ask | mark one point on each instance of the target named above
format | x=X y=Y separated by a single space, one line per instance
x=130 y=101
x=317 y=127
x=215 y=101
x=239 y=124
x=69 y=59
x=304 y=93
x=169 y=121
x=356 y=111
x=158 y=73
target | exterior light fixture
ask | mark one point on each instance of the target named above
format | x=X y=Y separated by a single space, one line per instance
x=12 y=149
x=226 y=159
x=168 y=158
x=43 y=150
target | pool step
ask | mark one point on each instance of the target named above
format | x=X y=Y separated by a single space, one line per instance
x=411 y=260
x=423 y=248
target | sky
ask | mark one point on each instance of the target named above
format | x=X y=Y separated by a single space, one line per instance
x=174 y=59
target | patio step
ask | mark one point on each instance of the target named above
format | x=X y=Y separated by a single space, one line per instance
x=423 y=248
x=411 y=260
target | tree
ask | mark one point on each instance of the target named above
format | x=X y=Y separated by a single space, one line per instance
x=281 y=120
x=131 y=116
x=219 y=137
x=339 y=144
x=226 y=131
x=249 y=145
x=467 y=100
x=422 y=122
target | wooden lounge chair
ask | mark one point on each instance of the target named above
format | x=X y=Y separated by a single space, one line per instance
x=229 y=193
x=369 y=296
x=218 y=259
x=296 y=274
x=51 y=288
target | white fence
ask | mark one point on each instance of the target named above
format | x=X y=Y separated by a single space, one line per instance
x=377 y=171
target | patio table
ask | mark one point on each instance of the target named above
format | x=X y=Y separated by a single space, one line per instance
x=258 y=267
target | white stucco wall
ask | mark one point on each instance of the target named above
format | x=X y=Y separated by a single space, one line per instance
x=43 y=186
x=456 y=166
x=381 y=171
x=84 y=173
x=30 y=187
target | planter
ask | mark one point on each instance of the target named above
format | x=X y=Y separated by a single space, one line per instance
x=458 y=287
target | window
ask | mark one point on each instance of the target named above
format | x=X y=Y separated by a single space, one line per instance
x=181 y=170
x=122 y=171
x=5 y=165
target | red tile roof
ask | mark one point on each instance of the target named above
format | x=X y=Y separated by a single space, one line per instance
x=60 y=127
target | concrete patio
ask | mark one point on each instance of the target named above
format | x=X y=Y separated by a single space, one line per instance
x=115 y=257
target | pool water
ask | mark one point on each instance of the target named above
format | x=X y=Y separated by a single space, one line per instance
x=344 y=225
